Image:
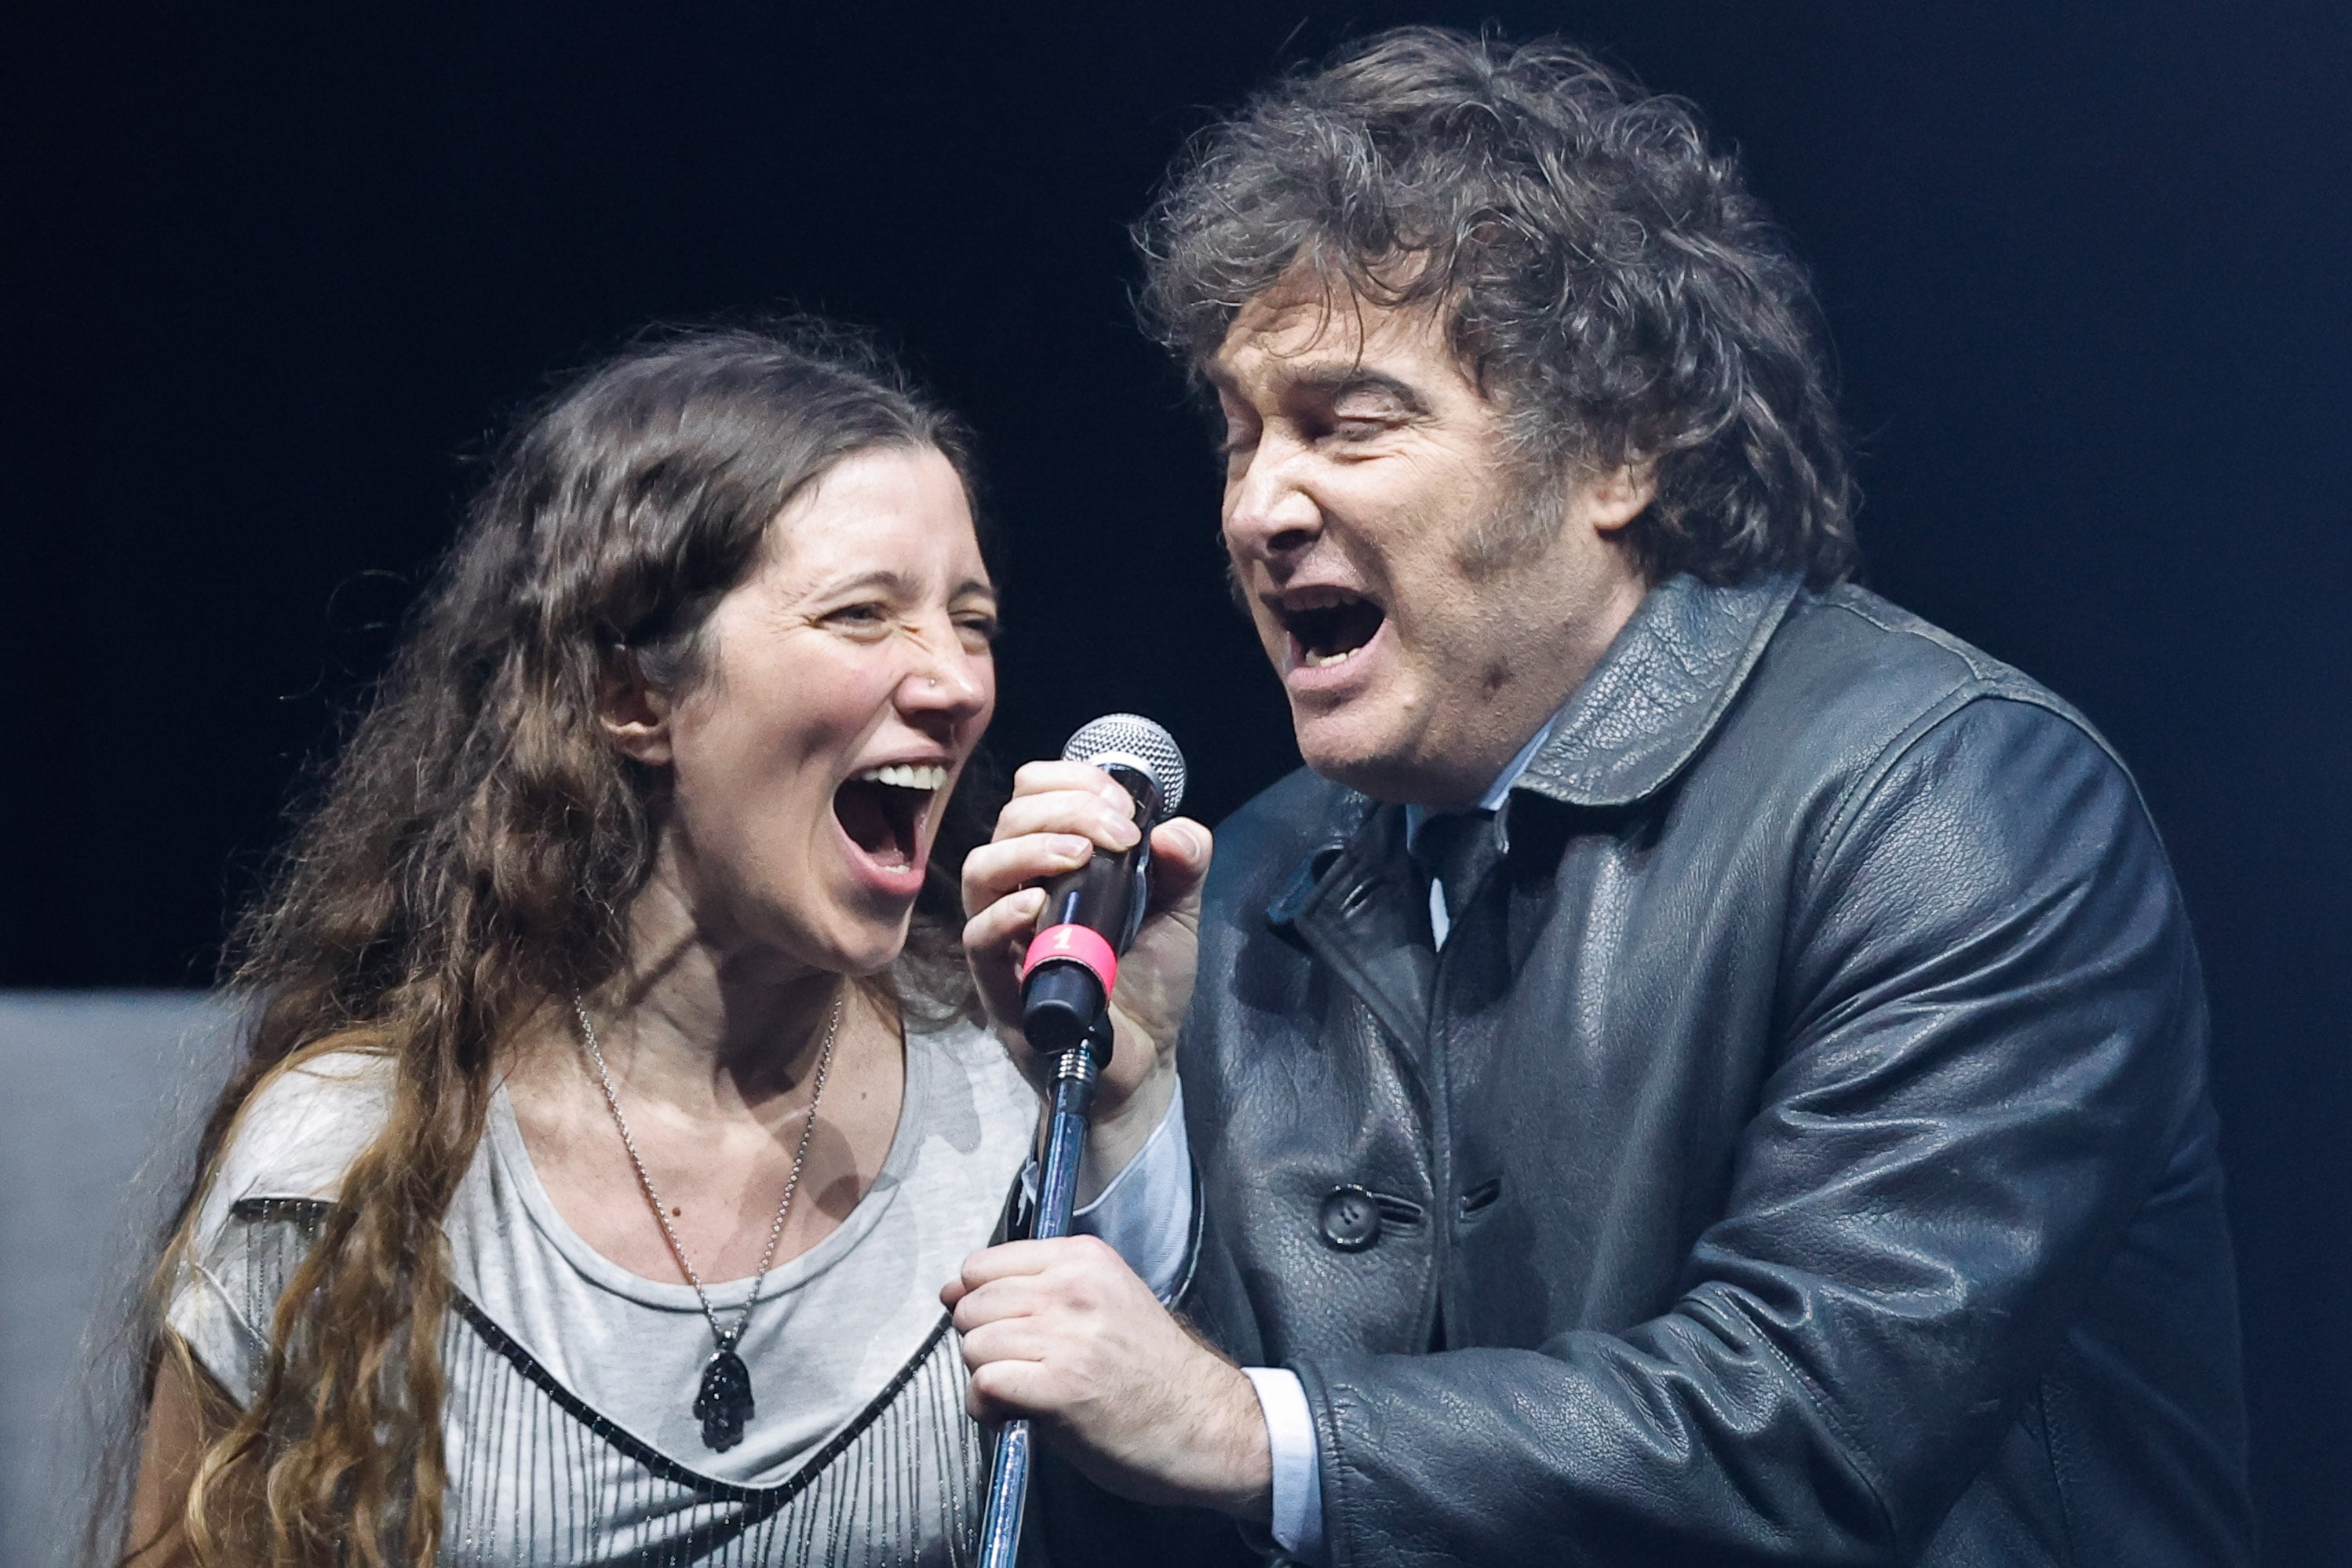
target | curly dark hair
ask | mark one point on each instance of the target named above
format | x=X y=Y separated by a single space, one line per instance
x=1609 y=282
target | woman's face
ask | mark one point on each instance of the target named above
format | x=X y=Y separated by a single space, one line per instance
x=845 y=682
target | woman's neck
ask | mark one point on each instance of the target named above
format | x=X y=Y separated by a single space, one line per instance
x=713 y=1029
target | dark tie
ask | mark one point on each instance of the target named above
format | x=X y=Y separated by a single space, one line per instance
x=1457 y=849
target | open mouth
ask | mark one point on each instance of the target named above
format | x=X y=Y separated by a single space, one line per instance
x=1328 y=625
x=882 y=809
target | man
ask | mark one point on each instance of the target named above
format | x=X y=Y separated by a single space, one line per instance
x=1705 y=1067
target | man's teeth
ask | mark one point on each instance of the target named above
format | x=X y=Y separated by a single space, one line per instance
x=1323 y=660
x=907 y=775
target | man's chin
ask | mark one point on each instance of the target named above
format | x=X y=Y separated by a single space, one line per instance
x=1388 y=767
x=1383 y=772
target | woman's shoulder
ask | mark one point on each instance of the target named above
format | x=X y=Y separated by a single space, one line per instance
x=303 y=1125
x=978 y=1092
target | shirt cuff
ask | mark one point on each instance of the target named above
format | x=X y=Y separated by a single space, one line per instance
x=1297 y=1521
x=1146 y=1211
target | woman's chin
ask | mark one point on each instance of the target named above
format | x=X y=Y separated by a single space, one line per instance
x=866 y=938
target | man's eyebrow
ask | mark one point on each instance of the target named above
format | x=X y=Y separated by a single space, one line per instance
x=1334 y=382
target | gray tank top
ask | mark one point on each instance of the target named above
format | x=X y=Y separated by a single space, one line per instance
x=568 y=1427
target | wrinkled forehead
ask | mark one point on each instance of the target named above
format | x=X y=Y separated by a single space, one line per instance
x=1309 y=322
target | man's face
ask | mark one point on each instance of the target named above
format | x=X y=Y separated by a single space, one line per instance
x=1425 y=608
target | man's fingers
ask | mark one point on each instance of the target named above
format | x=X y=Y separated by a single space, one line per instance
x=1050 y=773
x=1008 y=1259
x=1002 y=924
x=1001 y=1301
x=1008 y=1339
x=1109 y=823
x=991 y=871
x=1005 y=1390
x=1181 y=852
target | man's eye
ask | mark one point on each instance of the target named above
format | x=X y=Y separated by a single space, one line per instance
x=1351 y=430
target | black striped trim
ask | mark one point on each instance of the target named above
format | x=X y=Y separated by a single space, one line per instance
x=704 y=1487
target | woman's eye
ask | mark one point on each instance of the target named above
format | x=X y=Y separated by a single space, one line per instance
x=977 y=630
x=859 y=615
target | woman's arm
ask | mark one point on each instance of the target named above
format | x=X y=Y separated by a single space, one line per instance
x=187 y=1404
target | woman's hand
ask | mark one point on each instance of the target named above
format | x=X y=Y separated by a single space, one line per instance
x=1060 y=813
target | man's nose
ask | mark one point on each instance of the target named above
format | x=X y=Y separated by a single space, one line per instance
x=1267 y=514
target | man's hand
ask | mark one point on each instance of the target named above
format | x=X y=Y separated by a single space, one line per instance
x=1059 y=814
x=1063 y=1333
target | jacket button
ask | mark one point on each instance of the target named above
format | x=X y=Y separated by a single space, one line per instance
x=1351 y=1221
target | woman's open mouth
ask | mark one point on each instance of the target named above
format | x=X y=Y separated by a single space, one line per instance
x=883 y=810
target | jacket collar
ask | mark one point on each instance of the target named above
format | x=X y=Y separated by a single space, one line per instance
x=1643 y=713
x=1639 y=718
x=1659 y=692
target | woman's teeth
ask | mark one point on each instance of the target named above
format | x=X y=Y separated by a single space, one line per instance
x=907 y=775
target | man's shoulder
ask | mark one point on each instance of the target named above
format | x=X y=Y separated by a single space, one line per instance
x=1856 y=664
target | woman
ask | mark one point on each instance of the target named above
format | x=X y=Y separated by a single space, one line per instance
x=612 y=1112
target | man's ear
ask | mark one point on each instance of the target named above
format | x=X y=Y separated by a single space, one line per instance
x=1616 y=497
x=634 y=713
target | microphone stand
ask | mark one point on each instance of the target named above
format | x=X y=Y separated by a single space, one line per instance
x=1057 y=1188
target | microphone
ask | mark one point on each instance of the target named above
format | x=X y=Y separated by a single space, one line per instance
x=1091 y=914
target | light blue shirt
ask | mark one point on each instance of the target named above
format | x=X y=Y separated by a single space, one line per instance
x=1147 y=1214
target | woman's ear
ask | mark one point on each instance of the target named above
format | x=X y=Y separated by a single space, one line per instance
x=634 y=713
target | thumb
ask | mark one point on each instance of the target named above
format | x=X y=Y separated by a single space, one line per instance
x=1180 y=851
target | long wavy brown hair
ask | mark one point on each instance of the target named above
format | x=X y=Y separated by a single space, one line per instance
x=472 y=855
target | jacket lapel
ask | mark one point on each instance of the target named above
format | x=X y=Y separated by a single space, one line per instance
x=1639 y=718
x=1360 y=909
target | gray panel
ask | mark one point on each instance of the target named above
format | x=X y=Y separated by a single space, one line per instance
x=103 y=1093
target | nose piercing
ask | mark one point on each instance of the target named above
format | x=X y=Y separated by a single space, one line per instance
x=930 y=681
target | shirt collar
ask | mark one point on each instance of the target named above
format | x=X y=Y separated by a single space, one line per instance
x=1498 y=792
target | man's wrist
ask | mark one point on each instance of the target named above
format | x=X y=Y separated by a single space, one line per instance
x=1245 y=1458
x=1114 y=1140
x=1296 y=1491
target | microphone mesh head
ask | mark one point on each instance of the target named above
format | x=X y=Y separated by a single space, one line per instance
x=1137 y=741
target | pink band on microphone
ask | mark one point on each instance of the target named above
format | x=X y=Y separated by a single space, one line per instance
x=1079 y=945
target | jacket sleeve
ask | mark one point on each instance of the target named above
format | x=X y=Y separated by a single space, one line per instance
x=1990 y=1035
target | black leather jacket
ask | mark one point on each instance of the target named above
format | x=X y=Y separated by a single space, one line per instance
x=1800 y=1151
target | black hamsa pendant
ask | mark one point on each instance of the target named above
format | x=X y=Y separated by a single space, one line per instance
x=724 y=1401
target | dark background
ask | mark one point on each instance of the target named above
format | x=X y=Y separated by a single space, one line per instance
x=277 y=279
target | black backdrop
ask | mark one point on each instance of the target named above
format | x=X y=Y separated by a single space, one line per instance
x=277 y=279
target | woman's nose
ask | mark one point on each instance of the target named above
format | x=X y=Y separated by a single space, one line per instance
x=946 y=686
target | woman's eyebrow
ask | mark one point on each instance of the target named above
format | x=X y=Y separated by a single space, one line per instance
x=903 y=585
x=882 y=577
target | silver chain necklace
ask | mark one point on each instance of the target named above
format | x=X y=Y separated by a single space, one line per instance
x=723 y=1402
